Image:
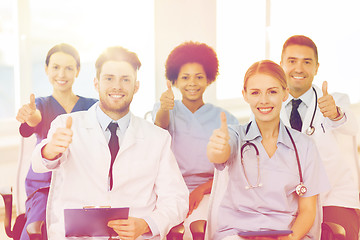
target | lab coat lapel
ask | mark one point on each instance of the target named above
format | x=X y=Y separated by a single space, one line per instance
x=283 y=115
x=132 y=134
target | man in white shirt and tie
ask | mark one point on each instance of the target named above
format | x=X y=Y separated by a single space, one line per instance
x=93 y=166
x=327 y=118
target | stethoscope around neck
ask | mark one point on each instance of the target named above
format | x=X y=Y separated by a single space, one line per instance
x=310 y=131
x=300 y=189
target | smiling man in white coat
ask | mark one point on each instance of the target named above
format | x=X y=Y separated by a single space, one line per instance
x=136 y=170
x=326 y=118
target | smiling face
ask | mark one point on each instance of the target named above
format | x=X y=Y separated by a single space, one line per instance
x=265 y=95
x=62 y=71
x=300 y=66
x=192 y=82
x=116 y=86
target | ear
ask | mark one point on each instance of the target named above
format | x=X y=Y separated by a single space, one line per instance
x=96 y=84
x=137 y=85
x=244 y=95
x=286 y=94
x=78 y=71
x=317 y=68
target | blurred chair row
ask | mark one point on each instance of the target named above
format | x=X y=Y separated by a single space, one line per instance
x=199 y=229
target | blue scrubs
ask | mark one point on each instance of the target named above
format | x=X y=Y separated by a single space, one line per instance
x=190 y=134
x=273 y=205
x=37 y=184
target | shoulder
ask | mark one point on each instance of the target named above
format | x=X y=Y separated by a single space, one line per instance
x=87 y=101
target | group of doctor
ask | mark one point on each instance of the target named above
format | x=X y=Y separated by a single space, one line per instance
x=165 y=175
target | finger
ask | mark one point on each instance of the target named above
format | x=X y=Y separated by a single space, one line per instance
x=325 y=88
x=223 y=127
x=32 y=101
x=168 y=84
x=68 y=122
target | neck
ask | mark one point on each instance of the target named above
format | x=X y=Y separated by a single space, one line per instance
x=64 y=97
x=193 y=106
x=296 y=93
x=269 y=129
x=114 y=115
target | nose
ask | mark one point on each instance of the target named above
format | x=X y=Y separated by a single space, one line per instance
x=62 y=72
x=299 y=67
x=264 y=98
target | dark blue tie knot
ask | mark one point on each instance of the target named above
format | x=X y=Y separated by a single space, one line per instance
x=113 y=127
x=296 y=103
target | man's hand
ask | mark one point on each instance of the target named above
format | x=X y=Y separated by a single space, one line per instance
x=327 y=104
x=167 y=98
x=129 y=229
x=27 y=112
x=59 y=142
x=218 y=149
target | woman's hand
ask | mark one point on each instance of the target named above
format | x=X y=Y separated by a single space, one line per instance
x=29 y=114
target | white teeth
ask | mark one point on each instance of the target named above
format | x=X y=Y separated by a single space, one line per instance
x=116 y=96
x=265 y=109
x=61 y=82
x=298 y=77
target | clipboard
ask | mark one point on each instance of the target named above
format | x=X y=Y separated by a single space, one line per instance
x=92 y=222
x=269 y=233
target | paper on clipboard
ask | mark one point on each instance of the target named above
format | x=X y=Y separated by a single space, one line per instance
x=92 y=221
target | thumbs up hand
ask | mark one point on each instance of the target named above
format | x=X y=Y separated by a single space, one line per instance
x=218 y=148
x=59 y=142
x=327 y=103
x=28 y=113
x=167 y=98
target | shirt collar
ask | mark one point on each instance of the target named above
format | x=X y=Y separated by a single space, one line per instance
x=283 y=137
x=104 y=120
x=306 y=98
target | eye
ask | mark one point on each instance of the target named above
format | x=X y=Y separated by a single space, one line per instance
x=70 y=68
x=126 y=80
x=273 y=92
x=55 y=67
x=307 y=62
x=292 y=61
x=255 y=93
x=200 y=77
x=185 y=77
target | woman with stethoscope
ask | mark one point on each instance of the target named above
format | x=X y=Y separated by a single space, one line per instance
x=275 y=173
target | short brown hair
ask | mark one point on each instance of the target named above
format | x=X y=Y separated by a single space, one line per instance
x=117 y=53
x=65 y=48
x=302 y=41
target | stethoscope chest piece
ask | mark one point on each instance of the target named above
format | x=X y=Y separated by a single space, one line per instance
x=300 y=189
x=310 y=130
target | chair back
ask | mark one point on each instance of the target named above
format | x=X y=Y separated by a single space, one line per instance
x=27 y=146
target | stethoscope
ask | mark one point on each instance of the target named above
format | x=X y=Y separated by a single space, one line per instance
x=300 y=189
x=310 y=131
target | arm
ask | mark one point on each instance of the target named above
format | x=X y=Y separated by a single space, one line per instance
x=305 y=218
x=166 y=104
x=218 y=148
x=197 y=195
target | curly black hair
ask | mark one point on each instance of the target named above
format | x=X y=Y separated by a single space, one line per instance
x=192 y=52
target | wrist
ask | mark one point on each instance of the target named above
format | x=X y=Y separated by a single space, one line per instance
x=340 y=114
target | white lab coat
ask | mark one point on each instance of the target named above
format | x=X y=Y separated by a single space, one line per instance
x=337 y=147
x=146 y=176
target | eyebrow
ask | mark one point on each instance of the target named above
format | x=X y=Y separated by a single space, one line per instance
x=308 y=59
x=254 y=89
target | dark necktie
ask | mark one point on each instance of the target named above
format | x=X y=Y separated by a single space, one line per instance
x=295 y=119
x=114 y=148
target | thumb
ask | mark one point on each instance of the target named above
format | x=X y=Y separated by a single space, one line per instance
x=325 y=88
x=223 y=126
x=168 y=84
x=69 y=122
x=32 y=101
